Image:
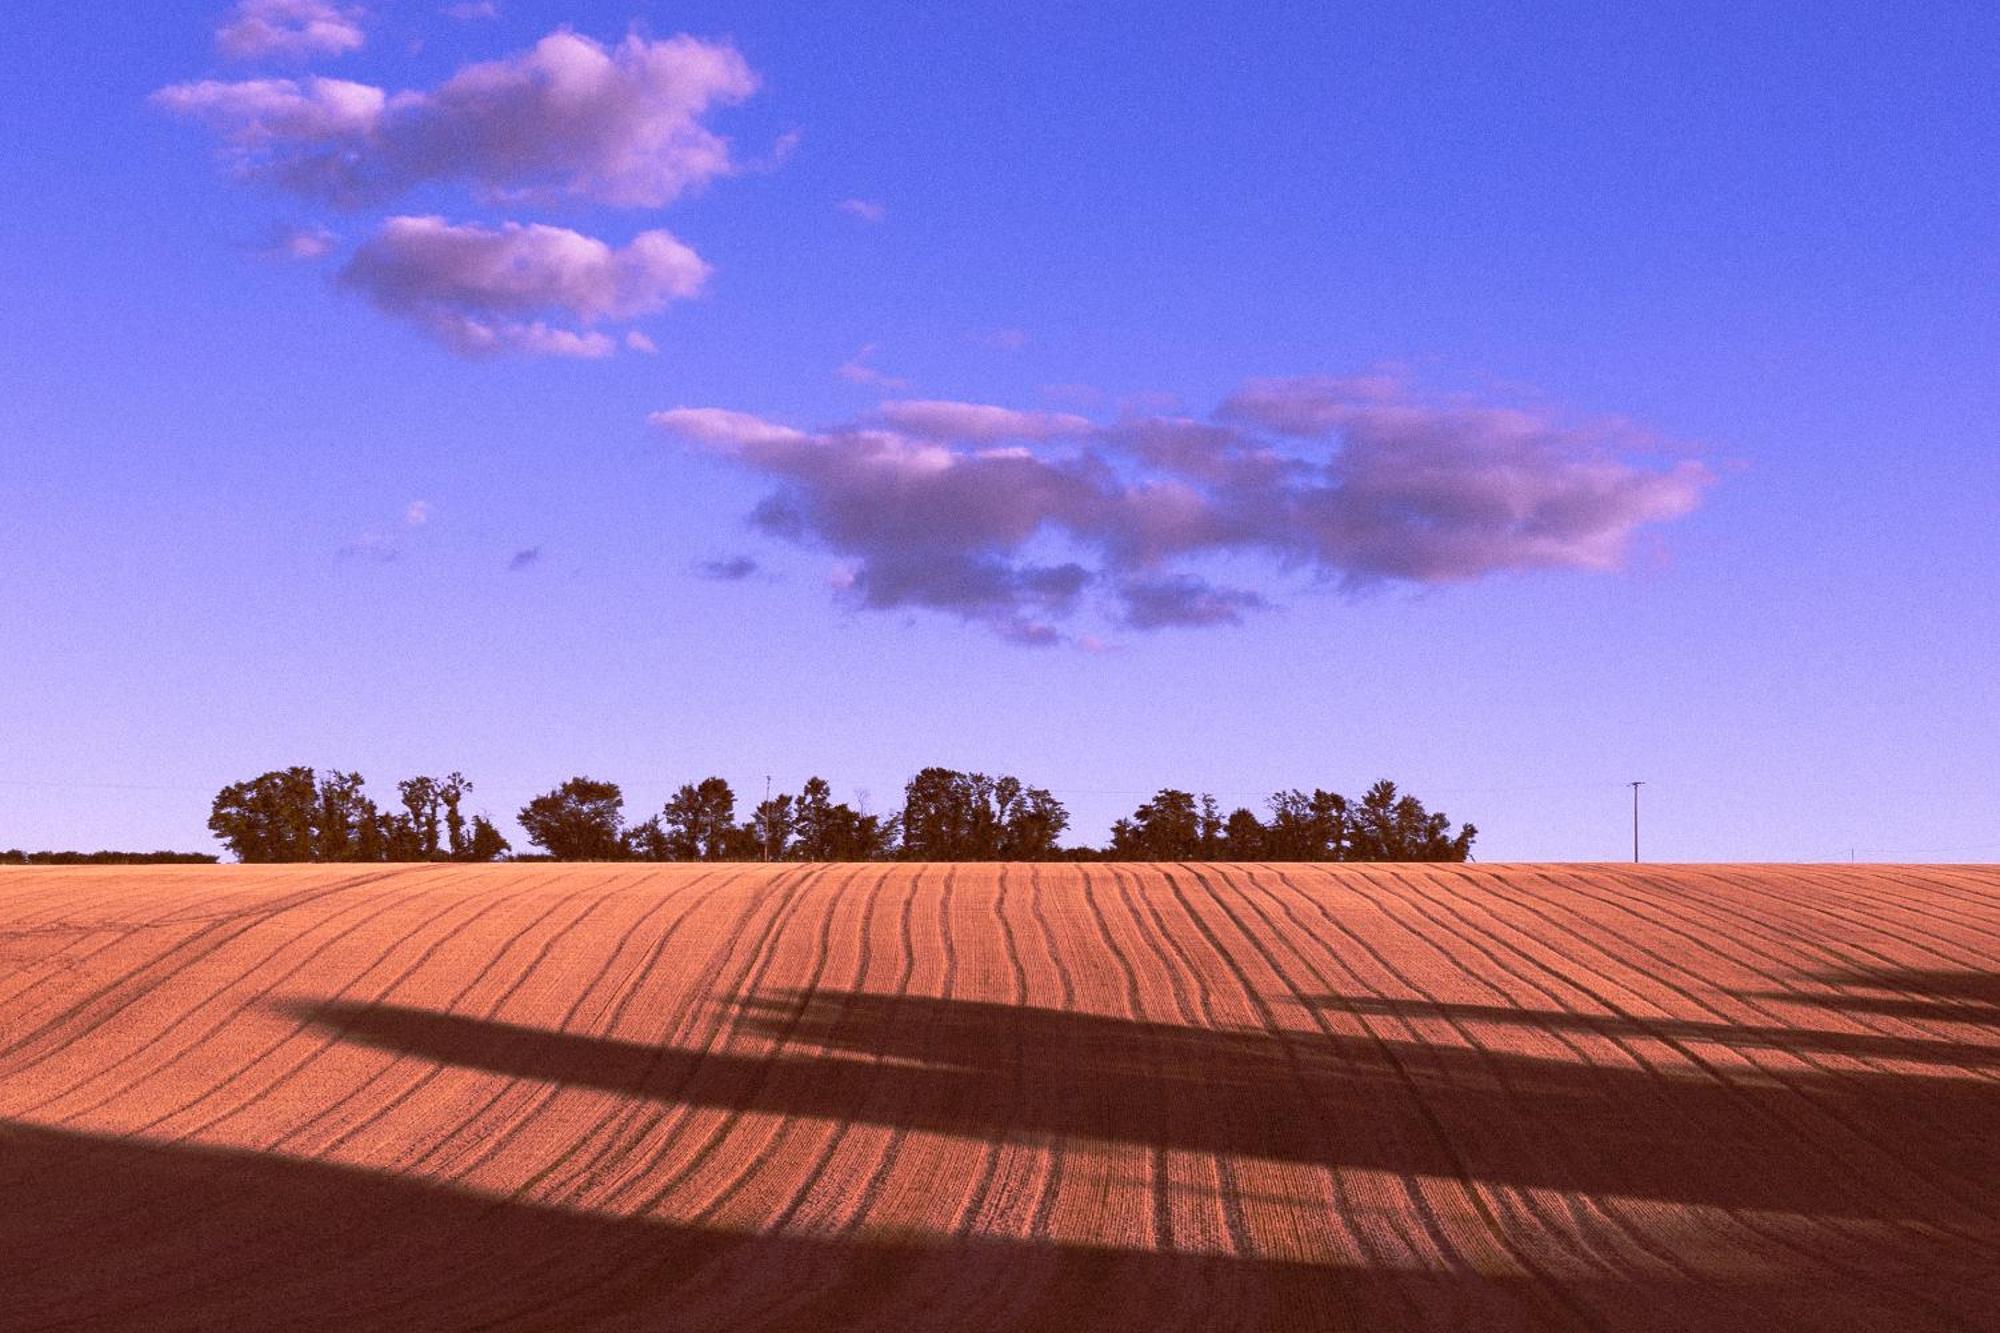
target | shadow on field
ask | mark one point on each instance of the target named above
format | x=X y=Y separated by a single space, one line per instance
x=1917 y=995
x=108 y=1233
x=114 y=1234
x=1841 y=1141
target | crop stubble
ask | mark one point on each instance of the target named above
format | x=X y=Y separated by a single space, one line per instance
x=1012 y=1096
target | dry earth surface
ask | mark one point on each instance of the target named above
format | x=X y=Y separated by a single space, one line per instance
x=1000 y=1097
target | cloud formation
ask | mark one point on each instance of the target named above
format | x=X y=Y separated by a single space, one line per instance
x=570 y=118
x=482 y=290
x=856 y=370
x=868 y=210
x=1017 y=520
x=289 y=29
x=304 y=244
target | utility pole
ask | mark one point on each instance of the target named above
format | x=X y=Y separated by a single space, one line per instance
x=767 y=816
x=1635 y=821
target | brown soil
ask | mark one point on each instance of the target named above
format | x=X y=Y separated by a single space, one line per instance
x=1000 y=1097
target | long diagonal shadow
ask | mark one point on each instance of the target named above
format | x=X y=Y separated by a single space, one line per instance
x=1863 y=1144
x=1733 y=1036
x=1926 y=995
x=115 y=1235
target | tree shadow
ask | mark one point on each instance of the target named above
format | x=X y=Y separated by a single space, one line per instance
x=1922 y=995
x=117 y=1234
x=1847 y=1143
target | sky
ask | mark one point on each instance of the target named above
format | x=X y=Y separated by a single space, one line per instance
x=1511 y=401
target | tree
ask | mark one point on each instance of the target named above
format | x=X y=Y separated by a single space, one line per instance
x=270 y=818
x=772 y=823
x=1389 y=827
x=948 y=816
x=423 y=804
x=699 y=820
x=1307 y=827
x=578 y=821
x=1209 y=829
x=1166 y=828
x=953 y=816
x=1032 y=824
x=346 y=826
x=1243 y=836
x=487 y=843
x=647 y=842
x=451 y=792
x=825 y=831
x=812 y=822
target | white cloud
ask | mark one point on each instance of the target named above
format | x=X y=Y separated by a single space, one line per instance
x=294 y=29
x=979 y=421
x=568 y=118
x=868 y=210
x=482 y=290
x=856 y=370
x=925 y=510
x=301 y=243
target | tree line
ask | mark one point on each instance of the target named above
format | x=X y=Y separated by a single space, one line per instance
x=14 y=856
x=295 y=814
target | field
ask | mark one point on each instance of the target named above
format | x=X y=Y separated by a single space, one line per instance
x=998 y=1097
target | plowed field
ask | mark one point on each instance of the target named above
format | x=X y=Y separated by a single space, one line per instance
x=1000 y=1097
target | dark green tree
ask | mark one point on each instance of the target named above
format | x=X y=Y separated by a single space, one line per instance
x=1307 y=827
x=1209 y=826
x=578 y=821
x=1386 y=826
x=270 y=818
x=699 y=821
x=346 y=822
x=949 y=816
x=953 y=816
x=1031 y=822
x=823 y=830
x=647 y=841
x=1243 y=836
x=772 y=823
x=486 y=843
x=451 y=792
x=423 y=807
x=1166 y=828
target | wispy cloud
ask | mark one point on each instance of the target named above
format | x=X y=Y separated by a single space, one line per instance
x=289 y=29
x=469 y=11
x=482 y=290
x=384 y=546
x=943 y=420
x=303 y=244
x=868 y=210
x=856 y=370
x=729 y=569
x=567 y=119
x=1003 y=340
x=1017 y=520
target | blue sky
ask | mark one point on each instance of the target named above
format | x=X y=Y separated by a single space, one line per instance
x=1765 y=239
